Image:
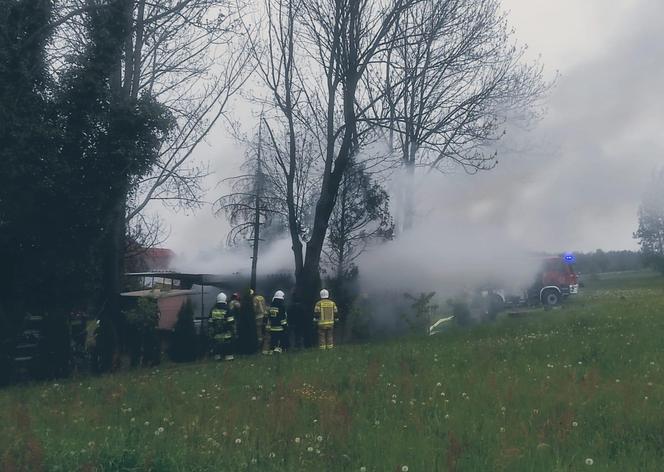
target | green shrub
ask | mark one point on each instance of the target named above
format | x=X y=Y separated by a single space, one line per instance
x=183 y=343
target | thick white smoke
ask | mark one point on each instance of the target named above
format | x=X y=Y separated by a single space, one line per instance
x=457 y=243
x=273 y=258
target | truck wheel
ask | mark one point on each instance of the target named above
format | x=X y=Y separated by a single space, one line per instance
x=550 y=298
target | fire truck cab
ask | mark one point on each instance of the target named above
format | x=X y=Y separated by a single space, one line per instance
x=555 y=280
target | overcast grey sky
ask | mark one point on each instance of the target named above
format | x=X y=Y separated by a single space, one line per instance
x=573 y=182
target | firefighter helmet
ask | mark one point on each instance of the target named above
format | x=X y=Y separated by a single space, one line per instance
x=278 y=295
x=221 y=297
x=324 y=294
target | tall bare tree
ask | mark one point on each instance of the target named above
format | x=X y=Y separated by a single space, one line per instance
x=441 y=77
x=451 y=83
x=312 y=57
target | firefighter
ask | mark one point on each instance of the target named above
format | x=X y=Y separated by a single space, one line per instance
x=325 y=314
x=260 y=311
x=234 y=306
x=277 y=323
x=222 y=329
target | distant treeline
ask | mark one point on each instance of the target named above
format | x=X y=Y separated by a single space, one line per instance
x=608 y=261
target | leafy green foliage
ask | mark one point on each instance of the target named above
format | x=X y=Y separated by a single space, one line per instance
x=460 y=310
x=72 y=151
x=650 y=232
x=607 y=261
x=183 y=341
x=55 y=354
x=422 y=308
x=361 y=214
x=142 y=323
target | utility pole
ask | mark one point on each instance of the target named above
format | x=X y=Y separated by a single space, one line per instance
x=258 y=188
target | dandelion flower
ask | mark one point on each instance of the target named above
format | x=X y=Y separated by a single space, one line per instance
x=404 y=468
x=238 y=441
x=310 y=449
x=575 y=424
x=589 y=461
x=298 y=440
x=319 y=438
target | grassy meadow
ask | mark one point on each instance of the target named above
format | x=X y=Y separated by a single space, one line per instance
x=580 y=388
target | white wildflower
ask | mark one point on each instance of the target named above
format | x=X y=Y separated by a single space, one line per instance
x=589 y=461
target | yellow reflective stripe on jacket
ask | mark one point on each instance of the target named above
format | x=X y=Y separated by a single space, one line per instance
x=218 y=314
x=326 y=309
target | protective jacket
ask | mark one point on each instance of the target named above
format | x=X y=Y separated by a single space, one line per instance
x=325 y=313
x=277 y=320
x=260 y=310
x=222 y=323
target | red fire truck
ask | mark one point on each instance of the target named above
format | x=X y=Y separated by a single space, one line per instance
x=555 y=280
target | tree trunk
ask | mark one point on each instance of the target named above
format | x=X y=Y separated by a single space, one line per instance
x=112 y=277
x=113 y=247
x=409 y=189
x=308 y=279
x=257 y=212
